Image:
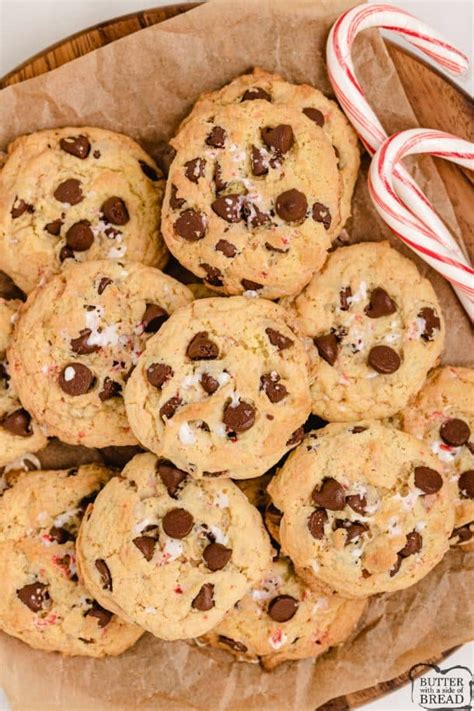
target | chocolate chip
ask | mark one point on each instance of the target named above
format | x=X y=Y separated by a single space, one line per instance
x=396 y=567
x=102 y=615
x=384 y=359
x=315 y=115
x=54 y=227
x=240 y=417
x=272 y=248
x=76 y=379
x=256 y=92
x=176 y=203
x=278 y=339
x=233 y=644
x=380 y=304
x=213 y=274
x=216 y=556
x=271 y=386
x=204 y=600
x=466 y=484
x=463 y=533
x=153 y=318
x=354 y=529
x=115 y=211
x=19 y=207
x=366 y=574
x=428 y=480
x=60 y=535
x=357 y=503
x=209 y=384
x=202 y=348
x=97 y=154
x=455 y=432
x=104 y=572
x=217 y=137
x=296 y=438
x=327 y=347
x=77 y=146
x=69 y=192
x=282 y=608
x=168 y=410
x=146 y=546
x=80 y=344
x=228 y=207
x=164 y=155
x=279 y=139
x=34 y=596
x=18 y=423
x=344 y=295
x=158 y=374
x=413 y=545
x=321 y=213
x=258 y=161
x=291 y=206
x=103 y=284
x=191 y=225
x=250 y=285
x=432 y=323
x=330 y=496
x=66 y=253
x=316 y=523
x=253 y=216
x=171 y=476
x=79 y=236
x=227 y=248
x=110 y=389
x=219 y=181
x=358 y=429
x=148 y=171
x=194 y=169
x=177 y=523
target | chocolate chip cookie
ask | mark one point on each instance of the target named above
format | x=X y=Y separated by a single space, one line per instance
x=19 y=433
x=443 y=415
x=221 y=390
x=374 y=328
x=78 y=338
x=77 y=194
x=170 y=553
x=244 y=207
x=282 y=619
x=42 y=601
x=260 y=85
x=366 y=509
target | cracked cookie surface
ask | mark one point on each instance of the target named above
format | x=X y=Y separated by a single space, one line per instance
x=77 y=194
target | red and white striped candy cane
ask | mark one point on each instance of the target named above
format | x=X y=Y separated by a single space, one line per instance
x=409 y=224
x=352 y=98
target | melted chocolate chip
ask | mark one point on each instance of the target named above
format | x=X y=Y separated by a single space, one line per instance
x=278 y=340
x=19 y=207
x=168 y=410
x=413 y=545
x=153 y=318
x=115 y=211
x=291 y=206
x=146 y=546
x=69 y=192
x=213 y=275
x=204 y=600
x=353 y=529
x=79 y=236
x=171 y=476
x=177 y=523
x=455 y=432
x=34 y=596
x=176 y=203
x=315 y=115
x=432 y=323
x=228 y=207
x=357 y=503
x=216 y=556
x=251 y=285
x=77 y=146
x=81 y=346
x=202 y=348
x=217 y=137
x=103 y=284
x=191 y=225
x=463 y=533
x=54 y=227
x=466 y=484
x=330 y=496
x=327 y=347
x=110 y=389
x=321 y=213
x=158 y=374
x=428 y=480
x=256 y=92
x=209 y=384
x=18 y=423
x=66 y=253
x=240 y=417
x=272 y=248
x=227 y=248
x=233 y=644
x=76 y=379
x=279 y=139
x=316 y=523
x=344 y=295
x=258 y=161
x=194 y=169
x=104 y=572
x=380 y=304
x=384 y=360
x=102 y=615
x=282 y=608
x=271 y=386
x=296 y=438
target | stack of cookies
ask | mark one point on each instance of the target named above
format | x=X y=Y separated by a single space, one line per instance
x=291 y=446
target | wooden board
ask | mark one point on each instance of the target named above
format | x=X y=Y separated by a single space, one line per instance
x=437 y=104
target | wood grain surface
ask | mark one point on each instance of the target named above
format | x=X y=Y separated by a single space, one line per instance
x=435 y=100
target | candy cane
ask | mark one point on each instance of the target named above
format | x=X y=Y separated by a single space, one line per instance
x=352 y=98
x=409 y=226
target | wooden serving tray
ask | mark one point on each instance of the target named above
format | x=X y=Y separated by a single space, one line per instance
x=436 y=101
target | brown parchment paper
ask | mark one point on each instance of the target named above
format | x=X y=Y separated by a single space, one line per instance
x=144 y=85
